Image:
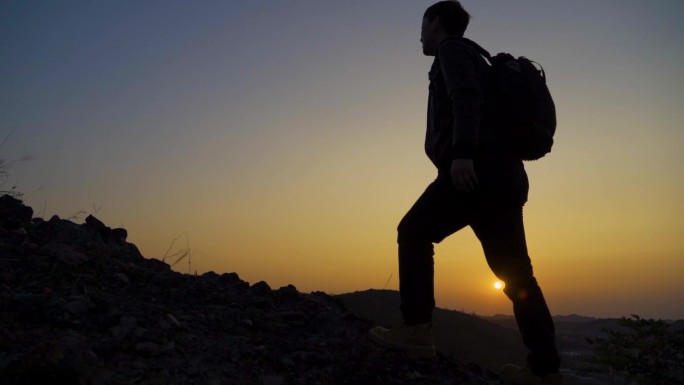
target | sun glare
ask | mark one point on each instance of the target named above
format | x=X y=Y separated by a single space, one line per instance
x=498 y=285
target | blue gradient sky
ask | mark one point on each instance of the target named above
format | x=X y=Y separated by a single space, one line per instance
x=286 y=138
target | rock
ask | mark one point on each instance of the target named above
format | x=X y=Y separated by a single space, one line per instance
x=289 y=291
x=13 y=213
x=119 y=235
x=76 y=307
x=28 y=247
x=287 y=361
x=61 y=231
x=98 y=249
x=260 y=288
x=272 y=380
x=156 y=265
x=166 y=277
x=220 y=297
x=174 y=320
x=96 y=224
x=163 y=324
x=210 y=276
x=259 y=302
x=148 y=348
x=291 y=317
x=234 y=280
x=64 y=253
x=121 y=277
x=125 y=326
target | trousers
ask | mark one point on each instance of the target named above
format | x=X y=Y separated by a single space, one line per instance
x=495 y=214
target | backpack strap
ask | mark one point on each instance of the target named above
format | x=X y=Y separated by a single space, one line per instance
x=474 y=46
x=479 y=49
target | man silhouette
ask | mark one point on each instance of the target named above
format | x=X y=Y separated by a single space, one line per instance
x=480 y=183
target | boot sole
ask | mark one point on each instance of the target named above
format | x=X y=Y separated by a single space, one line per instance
x=413 y=351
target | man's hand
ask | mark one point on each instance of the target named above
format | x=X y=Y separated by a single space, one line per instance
x=463 y=175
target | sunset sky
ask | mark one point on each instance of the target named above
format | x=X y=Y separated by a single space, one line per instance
x=286 y=139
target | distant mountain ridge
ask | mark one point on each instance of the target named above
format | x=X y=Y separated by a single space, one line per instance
x=574 y=323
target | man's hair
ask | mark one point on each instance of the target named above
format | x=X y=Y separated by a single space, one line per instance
x=452 y=16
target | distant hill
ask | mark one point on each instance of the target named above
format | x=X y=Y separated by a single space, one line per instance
x=571 y=330
x=678 y=325
x=467 y=337
x=573 y=318
x=565 y=324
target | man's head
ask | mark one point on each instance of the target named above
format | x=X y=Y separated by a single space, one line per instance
x=441 y=20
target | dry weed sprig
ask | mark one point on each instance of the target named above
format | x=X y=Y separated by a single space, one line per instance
x=5 y=165
x=388 y=281
x=180 y=254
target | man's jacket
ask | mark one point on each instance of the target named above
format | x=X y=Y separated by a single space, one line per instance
x=458 y=125
x=458 y=81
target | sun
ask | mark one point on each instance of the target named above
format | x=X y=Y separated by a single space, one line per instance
x=498 y=285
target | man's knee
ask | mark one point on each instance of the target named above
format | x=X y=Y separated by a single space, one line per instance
x=522 y=289
x=408 y=232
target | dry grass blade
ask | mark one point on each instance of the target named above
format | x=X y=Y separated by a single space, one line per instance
x=6 y=137
x=178 y=252
x=388 y=281
x=185 y=254
x=77 y=215
x=166 y=255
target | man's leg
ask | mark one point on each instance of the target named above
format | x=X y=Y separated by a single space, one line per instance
x=502 y=235
x=439 y=212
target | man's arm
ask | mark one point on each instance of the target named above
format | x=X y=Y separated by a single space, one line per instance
x=459 y=67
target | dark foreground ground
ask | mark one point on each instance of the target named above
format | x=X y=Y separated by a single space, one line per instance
x=80 y=305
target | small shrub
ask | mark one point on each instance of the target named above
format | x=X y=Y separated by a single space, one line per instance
x=647 y=350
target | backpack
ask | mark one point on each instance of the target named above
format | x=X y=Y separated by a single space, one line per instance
x=520 y=107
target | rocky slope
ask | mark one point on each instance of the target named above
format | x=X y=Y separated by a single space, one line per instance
x=80 y=305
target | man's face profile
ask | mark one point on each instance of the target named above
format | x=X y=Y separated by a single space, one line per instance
x=427 y=35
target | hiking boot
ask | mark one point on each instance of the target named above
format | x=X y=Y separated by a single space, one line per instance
x=516 y=375
x=416 y=340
